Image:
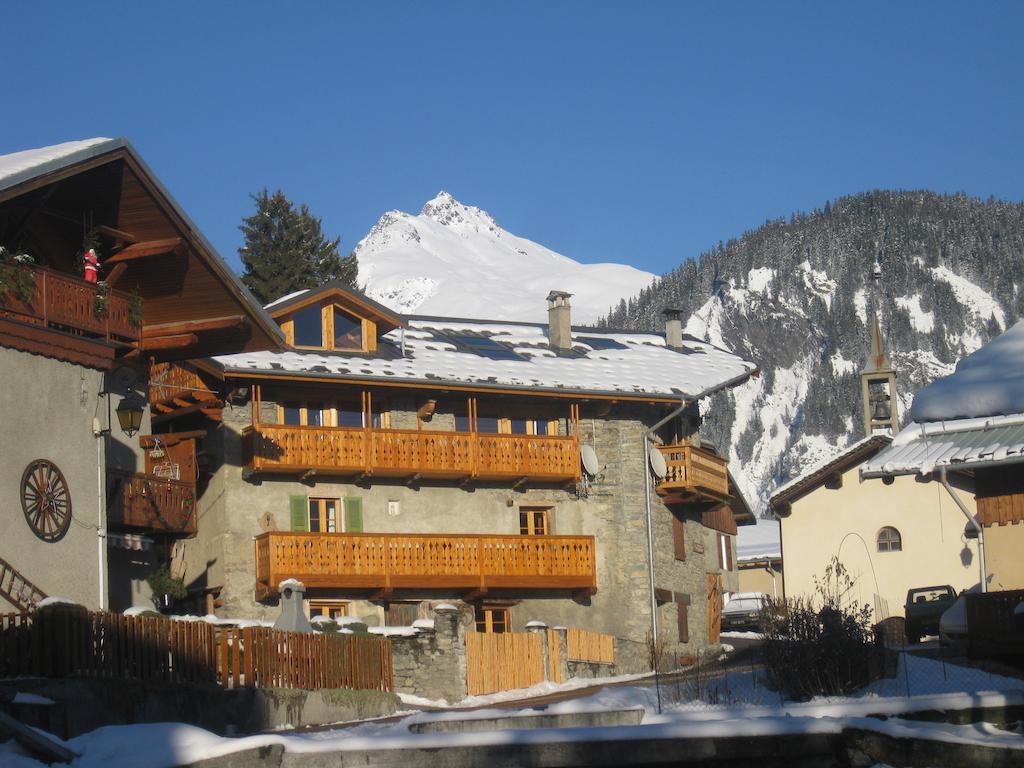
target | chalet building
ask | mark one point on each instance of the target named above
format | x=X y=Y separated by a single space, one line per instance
x=967 y=437
x=890 y=537
x=104 y=282
x=388 y=461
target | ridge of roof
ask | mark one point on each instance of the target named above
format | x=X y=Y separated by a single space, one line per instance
x=816 y=475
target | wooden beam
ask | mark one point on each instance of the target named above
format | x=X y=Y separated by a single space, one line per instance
x=195 y=326
x=171 y=438
x=169 y=245
x=116 y=234
x=176 y=341
x=160 y=418
x=115 y=274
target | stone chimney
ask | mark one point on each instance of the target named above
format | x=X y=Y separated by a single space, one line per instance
x=673 y=326
x=559 y=321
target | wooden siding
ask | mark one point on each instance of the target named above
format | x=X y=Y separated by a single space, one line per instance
x=425 y=561
x=720 y=519
x=1000 y=496
x=152 y=503
x=407 y=453
x=692 y=473
x=66 y=302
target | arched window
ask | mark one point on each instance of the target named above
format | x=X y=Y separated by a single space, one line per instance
x=889 y=540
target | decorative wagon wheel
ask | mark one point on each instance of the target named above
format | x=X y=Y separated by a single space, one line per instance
x=45 y=500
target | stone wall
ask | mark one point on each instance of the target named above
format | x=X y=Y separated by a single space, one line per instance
x=432 y=663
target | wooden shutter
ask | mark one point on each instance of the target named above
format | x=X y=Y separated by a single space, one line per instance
x=678 y=538
x=353 y=514
x=299 y=506
x=683 y=620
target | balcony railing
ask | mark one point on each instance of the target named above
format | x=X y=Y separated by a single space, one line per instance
x=425 y=561
x=67 y=302
x=408 y=453
x=153 y=503
x=693 y=474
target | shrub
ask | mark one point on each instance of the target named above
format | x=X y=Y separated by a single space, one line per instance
x=822 y=646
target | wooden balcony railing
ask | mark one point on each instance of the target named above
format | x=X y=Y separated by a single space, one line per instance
x=425 y=561
x=153 y=503
x=693 y=474
x=63 y=301
x=170 y=380
x=408 y=453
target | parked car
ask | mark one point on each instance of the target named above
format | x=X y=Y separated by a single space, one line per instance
x=953 y=625
x=924 y=609
x=743 y=610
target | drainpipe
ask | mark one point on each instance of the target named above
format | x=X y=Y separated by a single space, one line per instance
x=101 y=534
x=647 y=441
x=973 y=522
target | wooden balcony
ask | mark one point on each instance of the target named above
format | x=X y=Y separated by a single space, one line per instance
x=68 y=303
x=693 y=475
x=151 y=503
x=411 y=453
x=386 y=562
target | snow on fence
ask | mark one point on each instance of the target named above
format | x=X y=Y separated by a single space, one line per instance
x=67 y=640
x=595 y=647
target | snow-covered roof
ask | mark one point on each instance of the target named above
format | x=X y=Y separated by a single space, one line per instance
x=439 y=352
x=989 y=382
x=961 y=444
x=22 y=166
x=816 y=474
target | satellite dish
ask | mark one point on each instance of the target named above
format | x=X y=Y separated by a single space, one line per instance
x=588 y=456
x=658 y=465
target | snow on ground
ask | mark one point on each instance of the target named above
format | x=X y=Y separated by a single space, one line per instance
x=972 y=297
x=424 y=263
x=746 y=708
x=760 y=278
x=819 y=282
x=922 y=321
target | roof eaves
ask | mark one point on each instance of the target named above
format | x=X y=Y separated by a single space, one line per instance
x=843 y=461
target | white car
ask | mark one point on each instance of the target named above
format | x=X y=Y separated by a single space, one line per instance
x=743 y=610
x=953 y=624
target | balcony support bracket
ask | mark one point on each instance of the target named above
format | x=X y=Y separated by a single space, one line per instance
x=309 y=477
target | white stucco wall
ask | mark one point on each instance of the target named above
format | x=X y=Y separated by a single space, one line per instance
x=845 y=522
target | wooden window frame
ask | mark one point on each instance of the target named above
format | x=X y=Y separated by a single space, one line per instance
x=368 y=329
x=329 y=414
x=326 y=607
x=889 y=540
x=526 y=514
x=486 y=613
x=322 y=516
x=725 y=557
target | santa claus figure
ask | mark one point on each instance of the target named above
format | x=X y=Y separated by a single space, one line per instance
x=92 y=266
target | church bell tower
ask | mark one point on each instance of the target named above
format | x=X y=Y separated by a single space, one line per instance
x=878 y=380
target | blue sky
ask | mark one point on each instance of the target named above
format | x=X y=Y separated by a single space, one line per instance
x=634 y=132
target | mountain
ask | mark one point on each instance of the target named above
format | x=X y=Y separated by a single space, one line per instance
x=454 y=260
x=795 y=296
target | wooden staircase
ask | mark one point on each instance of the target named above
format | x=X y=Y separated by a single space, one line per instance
x=18 y=590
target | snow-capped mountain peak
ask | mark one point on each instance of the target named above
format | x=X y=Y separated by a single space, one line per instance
x=454 y=260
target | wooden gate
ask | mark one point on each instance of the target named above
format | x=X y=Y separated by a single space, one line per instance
x=714 y=607
x=503 y=661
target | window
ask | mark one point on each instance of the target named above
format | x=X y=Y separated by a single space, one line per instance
x=485 y=346
x=308 y=327
x=490 y=618
x=889 y=540
x=601 y=343
x=323 y=516
x=724 y=552
x=320 y=414
x=348 y=330
x=332 y=609
x=318 y=515
x=304 y=414
x=533 y=521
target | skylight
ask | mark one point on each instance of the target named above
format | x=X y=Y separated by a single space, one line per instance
x=597 y=342
x=485 y=346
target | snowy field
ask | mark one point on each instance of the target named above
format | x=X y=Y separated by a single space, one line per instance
x=744 y=707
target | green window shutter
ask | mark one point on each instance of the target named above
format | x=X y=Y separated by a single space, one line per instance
x=353 y=514
x=299 y=512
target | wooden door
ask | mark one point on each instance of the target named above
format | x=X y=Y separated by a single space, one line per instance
x=714 y=607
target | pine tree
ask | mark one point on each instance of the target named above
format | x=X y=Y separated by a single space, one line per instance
x=285 y=250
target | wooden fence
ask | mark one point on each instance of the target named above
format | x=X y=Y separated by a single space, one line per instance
x=65 y=641
x=503 y=661
x=992 y=627
x=594 y=647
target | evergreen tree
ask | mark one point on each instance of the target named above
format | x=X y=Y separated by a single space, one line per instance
x=285 y=250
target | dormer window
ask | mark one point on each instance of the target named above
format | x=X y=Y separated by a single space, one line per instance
x=334 y=319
